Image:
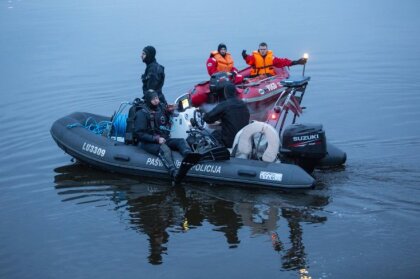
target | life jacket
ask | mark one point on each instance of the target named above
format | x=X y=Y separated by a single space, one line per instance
x=263 y=65
x=224 y=64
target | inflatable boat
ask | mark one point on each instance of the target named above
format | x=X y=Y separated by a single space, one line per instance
x=108 y=153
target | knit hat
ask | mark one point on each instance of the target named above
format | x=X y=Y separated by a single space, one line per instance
x=220 y=46
x=149 y=96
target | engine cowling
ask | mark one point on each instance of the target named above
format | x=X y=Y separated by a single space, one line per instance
x=304 y=144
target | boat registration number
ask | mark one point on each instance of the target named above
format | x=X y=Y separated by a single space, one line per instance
x=273 y=176
x=268 y=88
x=93 y=149
x=272 y=86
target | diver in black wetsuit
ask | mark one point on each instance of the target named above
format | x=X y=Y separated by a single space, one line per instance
x=152 y=128
x=154 y=74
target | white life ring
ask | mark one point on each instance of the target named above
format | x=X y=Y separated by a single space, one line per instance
x=244 y=138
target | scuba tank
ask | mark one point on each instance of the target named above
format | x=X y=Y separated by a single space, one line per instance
x=130 y=137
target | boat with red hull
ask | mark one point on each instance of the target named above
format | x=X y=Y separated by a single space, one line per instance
x=259 y=93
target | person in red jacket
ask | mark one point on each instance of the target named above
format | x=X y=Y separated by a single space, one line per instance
x=221 y=61
x=263 y=61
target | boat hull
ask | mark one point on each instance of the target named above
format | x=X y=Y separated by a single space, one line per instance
x=110 y=155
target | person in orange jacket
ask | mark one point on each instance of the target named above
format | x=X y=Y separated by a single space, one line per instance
x=263 y=61
x=221 y=61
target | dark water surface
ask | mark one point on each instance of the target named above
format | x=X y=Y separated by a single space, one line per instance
x=62 y=220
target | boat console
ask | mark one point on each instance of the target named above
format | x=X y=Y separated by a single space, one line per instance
x=295 y=81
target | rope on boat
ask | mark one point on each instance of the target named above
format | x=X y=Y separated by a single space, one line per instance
x=92 y=125
x=119 y=124
x=119 y=121
x=116 y=127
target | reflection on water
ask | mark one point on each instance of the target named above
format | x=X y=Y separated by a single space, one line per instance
x=161 y=211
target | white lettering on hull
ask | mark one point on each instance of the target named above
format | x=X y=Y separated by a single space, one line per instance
x=156 y=162
x=94 y=149
x=208 y=168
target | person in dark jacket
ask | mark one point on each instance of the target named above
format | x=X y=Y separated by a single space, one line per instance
x=233 y=115
x=152 y=128
x=154 y=74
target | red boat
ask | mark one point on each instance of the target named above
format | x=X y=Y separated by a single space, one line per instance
x=260 y=93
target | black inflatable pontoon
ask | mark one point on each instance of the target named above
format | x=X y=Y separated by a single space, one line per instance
x=114 y=156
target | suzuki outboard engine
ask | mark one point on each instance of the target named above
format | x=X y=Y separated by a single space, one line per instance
x=304 y=145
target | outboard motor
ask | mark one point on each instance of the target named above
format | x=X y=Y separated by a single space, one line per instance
x=304 y=145
x=217 y=83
